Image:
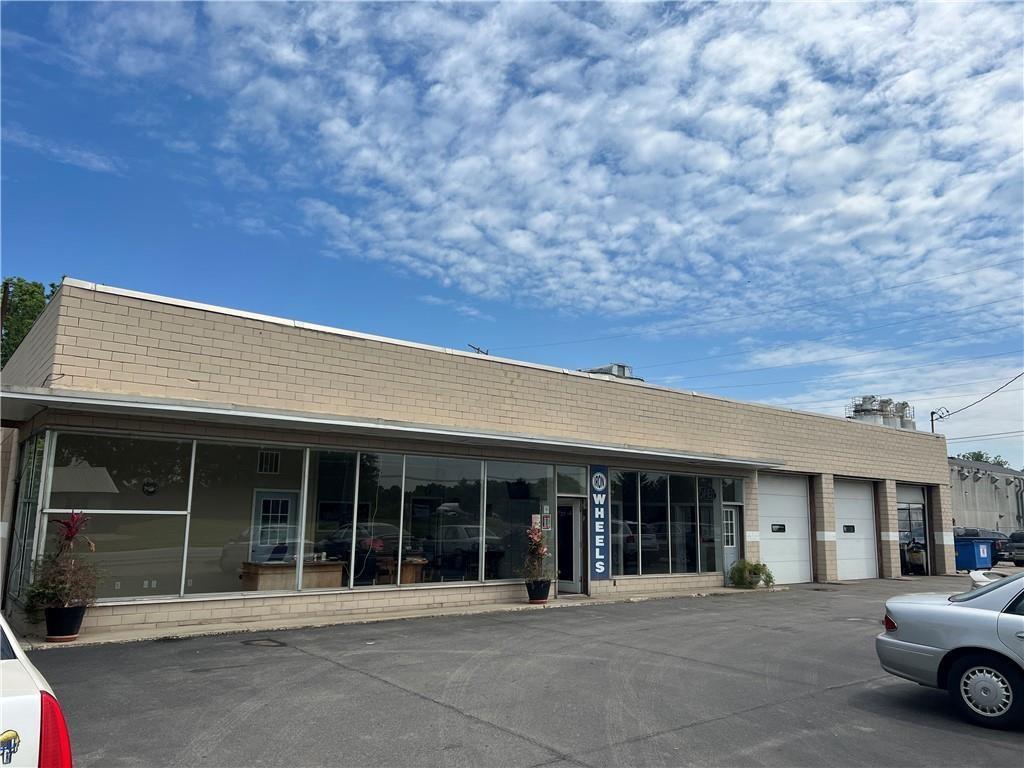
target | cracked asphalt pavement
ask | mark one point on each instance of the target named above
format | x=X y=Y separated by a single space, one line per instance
x=781 y=679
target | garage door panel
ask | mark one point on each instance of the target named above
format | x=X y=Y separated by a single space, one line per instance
x=856 y=547
x=782 y=501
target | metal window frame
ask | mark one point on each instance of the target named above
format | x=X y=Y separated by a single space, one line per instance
x=401 y=527
x=188 y=519
x=482 y=554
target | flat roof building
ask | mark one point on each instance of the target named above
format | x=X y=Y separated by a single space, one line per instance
x=236 y=465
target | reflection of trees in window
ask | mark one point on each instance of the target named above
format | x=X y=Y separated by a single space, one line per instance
x=104 y=472
x=515 y=493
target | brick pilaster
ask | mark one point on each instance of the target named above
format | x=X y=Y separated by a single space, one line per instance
x=823 y=501
x=940 y=519
x=888 y=530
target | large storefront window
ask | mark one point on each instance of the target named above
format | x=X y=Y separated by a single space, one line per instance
x=683 y=493
x=442 y=518
x=369 y=520
x=137 y=555
x=670 y=523
x=102 y=472
x=515 y=493
x=572 y=481
x=244 y=530
x=331 y=494
x=378 y=524
x=625 y=525
x=710 y=524
x=654 y=525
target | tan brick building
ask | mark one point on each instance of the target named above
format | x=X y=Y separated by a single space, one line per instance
x=237 y=465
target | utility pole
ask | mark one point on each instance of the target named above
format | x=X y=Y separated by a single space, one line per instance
x=941 y=413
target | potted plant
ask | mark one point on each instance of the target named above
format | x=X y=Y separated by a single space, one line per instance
x=538 y=584
x=63 y=585
x=748 y=575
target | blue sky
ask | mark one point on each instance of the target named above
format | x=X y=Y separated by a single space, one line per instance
x=789 y=203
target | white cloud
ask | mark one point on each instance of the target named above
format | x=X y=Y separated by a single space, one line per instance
x=522 y=151
x=63 y=152
x=466 y=310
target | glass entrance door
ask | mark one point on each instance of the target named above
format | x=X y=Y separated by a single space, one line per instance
x=568 y=546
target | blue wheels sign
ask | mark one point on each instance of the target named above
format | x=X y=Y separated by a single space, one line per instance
x=600 y=551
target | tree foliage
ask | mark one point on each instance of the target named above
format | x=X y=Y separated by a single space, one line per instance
x=983 y=456
x=26 y=301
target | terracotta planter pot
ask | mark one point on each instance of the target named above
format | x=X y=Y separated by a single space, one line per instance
x=538 y=591
x=63 y=624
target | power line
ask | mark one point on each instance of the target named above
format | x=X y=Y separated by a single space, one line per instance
x=986 y=397
x=999 y=435
x=831 y=336
x=849 y=375
x=761 y=313
x=840 y=357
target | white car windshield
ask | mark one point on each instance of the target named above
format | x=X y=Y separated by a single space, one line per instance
x=965 y=596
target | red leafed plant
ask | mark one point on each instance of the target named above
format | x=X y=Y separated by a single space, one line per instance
x=61 y=580
x=69 y=530
x=534 y=566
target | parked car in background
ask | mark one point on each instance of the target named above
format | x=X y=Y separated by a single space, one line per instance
x=1015 y=547
x=971 y=644
x=34 y=732
x=1000 y=541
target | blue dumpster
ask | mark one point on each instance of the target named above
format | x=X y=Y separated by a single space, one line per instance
x=972 y=554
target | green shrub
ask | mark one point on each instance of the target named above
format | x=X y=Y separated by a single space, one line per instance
x=747 y=575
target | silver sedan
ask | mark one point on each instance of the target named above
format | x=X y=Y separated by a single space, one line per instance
x=971 y=644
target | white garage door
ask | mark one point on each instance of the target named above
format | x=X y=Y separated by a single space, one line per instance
x=785 y=527
x=855 y=531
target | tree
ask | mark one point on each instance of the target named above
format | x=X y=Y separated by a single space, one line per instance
x=983 y=456
x=23 y=302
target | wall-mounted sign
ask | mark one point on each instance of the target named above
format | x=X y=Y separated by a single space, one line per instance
x=778 y=527
x=545 y=521
x=849 y=529
x=600 y=549
x=535 y=521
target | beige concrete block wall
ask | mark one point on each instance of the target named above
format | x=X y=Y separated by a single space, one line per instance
x=940 y=513
x=111 y=343
x=657 y=584
x=32 y=364
x=314 y=607
x=888 y=530
x=823 y=505
x=751 y=520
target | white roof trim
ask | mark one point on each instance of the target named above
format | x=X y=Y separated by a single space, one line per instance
x=46 y=398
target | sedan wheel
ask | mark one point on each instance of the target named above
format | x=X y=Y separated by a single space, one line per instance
x=987 y=691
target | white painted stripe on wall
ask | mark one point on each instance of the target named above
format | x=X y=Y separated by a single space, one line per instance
x=945 y=538
x=826 y=535
x=753 y=536
x=890 y=536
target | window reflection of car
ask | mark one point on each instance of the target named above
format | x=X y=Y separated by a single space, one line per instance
x=241 y=549
x=463 y=539
x=338 y=543
x=623 y=534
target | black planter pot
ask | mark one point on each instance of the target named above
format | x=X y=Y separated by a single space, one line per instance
x=63 y=624
x=538 y=590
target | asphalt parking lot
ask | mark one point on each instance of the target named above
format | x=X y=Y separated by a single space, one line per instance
x=782 y=679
